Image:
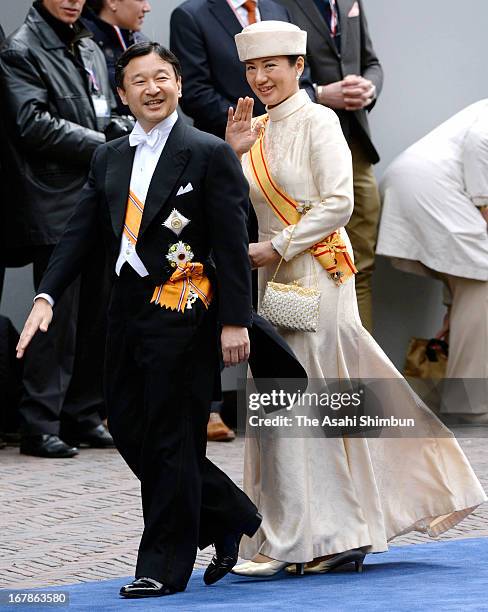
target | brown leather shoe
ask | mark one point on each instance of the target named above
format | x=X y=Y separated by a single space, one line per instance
x=217 y=430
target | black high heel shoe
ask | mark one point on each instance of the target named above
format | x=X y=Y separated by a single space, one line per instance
x=356 y=556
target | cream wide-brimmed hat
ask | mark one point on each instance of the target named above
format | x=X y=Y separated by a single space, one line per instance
x=269 y=39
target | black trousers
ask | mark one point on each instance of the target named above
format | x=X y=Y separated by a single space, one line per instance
x=63 y=368
x=161 y=370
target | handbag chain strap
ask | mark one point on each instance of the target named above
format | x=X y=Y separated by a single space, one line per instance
x=316 y=280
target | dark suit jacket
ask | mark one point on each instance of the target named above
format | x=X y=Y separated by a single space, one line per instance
x=328 y=66
x=202 y=37
x=217 y=208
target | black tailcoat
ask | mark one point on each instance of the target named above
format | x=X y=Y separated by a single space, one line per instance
x=217 y=207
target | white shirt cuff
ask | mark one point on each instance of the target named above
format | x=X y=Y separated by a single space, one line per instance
x=47 y=297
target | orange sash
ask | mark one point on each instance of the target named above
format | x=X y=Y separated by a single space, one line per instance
x=331 y=252
x=175 y=293
x=186 y=284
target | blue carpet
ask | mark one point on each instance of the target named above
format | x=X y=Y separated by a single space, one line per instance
x=432 y=577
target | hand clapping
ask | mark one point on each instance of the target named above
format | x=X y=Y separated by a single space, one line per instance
x=358 y=92
x=352 y=93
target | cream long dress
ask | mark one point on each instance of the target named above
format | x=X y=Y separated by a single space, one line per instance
x=323 y=496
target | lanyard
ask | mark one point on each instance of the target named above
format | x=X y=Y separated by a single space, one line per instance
x=334 y=18
x=120 y=37
x=93 y=79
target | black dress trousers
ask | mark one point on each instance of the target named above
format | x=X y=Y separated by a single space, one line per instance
x=161 y=370
x=62 y=380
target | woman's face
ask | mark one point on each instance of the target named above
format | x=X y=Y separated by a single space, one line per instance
x=272 y=79
x=129 y=14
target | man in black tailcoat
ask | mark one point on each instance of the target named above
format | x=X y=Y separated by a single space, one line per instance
x=165 y=198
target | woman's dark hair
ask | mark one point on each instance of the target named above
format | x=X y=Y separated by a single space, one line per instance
x=95 y=5
x=292 y=59
x=139 y=50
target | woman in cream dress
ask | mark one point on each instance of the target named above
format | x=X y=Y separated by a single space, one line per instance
x=328 y=501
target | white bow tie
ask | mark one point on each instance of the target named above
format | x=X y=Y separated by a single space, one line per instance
x=140 y=137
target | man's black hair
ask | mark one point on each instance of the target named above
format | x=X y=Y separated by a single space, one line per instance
x=139 y=50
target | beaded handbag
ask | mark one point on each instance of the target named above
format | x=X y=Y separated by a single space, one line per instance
x=291 y=306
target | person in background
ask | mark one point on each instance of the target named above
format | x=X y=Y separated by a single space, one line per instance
x=434 y=222
x=56 y=110
x=115 y=25
x=348 y=78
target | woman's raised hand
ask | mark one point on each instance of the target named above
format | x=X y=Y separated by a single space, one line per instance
x=240 y=133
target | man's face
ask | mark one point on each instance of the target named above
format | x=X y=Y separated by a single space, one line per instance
x=129 y=14
x=67 y=11
x=151 y=89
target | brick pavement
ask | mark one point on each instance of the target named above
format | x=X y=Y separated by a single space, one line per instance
x=77 y=520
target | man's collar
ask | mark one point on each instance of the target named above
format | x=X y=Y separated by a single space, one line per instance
x=238 y=3
x=153 y=137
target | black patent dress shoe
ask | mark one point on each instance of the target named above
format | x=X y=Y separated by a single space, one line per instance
x=98 y=437
x=46 y=445
x=227 y=550
x=145 y=587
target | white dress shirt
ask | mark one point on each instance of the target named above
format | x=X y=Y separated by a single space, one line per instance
x=148 y=151
x=241 y=13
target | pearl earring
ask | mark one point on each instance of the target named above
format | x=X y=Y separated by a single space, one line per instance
x=298 y=77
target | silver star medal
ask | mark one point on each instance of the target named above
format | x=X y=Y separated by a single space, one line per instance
x=176 y=222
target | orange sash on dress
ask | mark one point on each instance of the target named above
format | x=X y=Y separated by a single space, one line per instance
x=331 y=252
